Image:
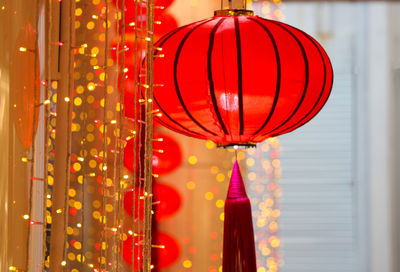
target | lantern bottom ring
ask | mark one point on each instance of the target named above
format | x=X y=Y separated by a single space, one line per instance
x=237 y=145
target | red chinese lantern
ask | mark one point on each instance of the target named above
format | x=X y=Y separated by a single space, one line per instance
x=168 y=23
x=169 y=201
x=168 y=197
x=167 y=154
x=167 y=253
x=239 y=79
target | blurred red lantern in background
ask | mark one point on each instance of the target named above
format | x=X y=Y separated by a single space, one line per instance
x=238 y=80
x=167 y=155
x=131 y=160
x=171 y=156
x=167 y=253
x=167 y=23
x=139 y=203
x=168 y=197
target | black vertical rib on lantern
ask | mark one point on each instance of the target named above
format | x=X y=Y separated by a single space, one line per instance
x=306 y=69
x=240 y=73
x=278 y=74
x=210 y=77
x=159 y=44
x=296 y=125
x=178 y=93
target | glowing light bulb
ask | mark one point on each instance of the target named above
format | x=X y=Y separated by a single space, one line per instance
x=22 y=49
x=26 y=216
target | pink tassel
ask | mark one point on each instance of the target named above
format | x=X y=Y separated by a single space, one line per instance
x=239 y=251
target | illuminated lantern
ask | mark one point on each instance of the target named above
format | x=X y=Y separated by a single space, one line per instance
x=160 y=5
x=167 y=154
x=166 y=254
x=168 y=23
x=168 y=202
x=129 y=155
x=238 y=79
x=169 y=252
x=139 y=203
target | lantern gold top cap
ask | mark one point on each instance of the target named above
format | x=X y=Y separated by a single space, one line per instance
x=233 y=12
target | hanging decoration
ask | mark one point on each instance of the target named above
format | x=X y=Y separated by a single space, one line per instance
x=239 y=250
x=238 y=79
x=25 y=87
x=167 y=198
x=162 y=241
x=167 y=154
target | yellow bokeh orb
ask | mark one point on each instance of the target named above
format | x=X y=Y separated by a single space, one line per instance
x=192 y=159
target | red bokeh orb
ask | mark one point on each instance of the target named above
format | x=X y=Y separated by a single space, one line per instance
x=165 y=256
x=168 y=197
x=171 y=156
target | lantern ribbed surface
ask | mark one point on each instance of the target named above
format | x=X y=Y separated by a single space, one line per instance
x=237 y=80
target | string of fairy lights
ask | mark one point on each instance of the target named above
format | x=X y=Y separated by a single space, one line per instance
x=95 y=225
x=264 y=173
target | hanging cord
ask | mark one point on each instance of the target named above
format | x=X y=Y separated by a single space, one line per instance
x=118 y=155
x=69 y=117
x=148 y=175
x=33 y=138
x=46 y=136
x=103 y=252
x=136 y=138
